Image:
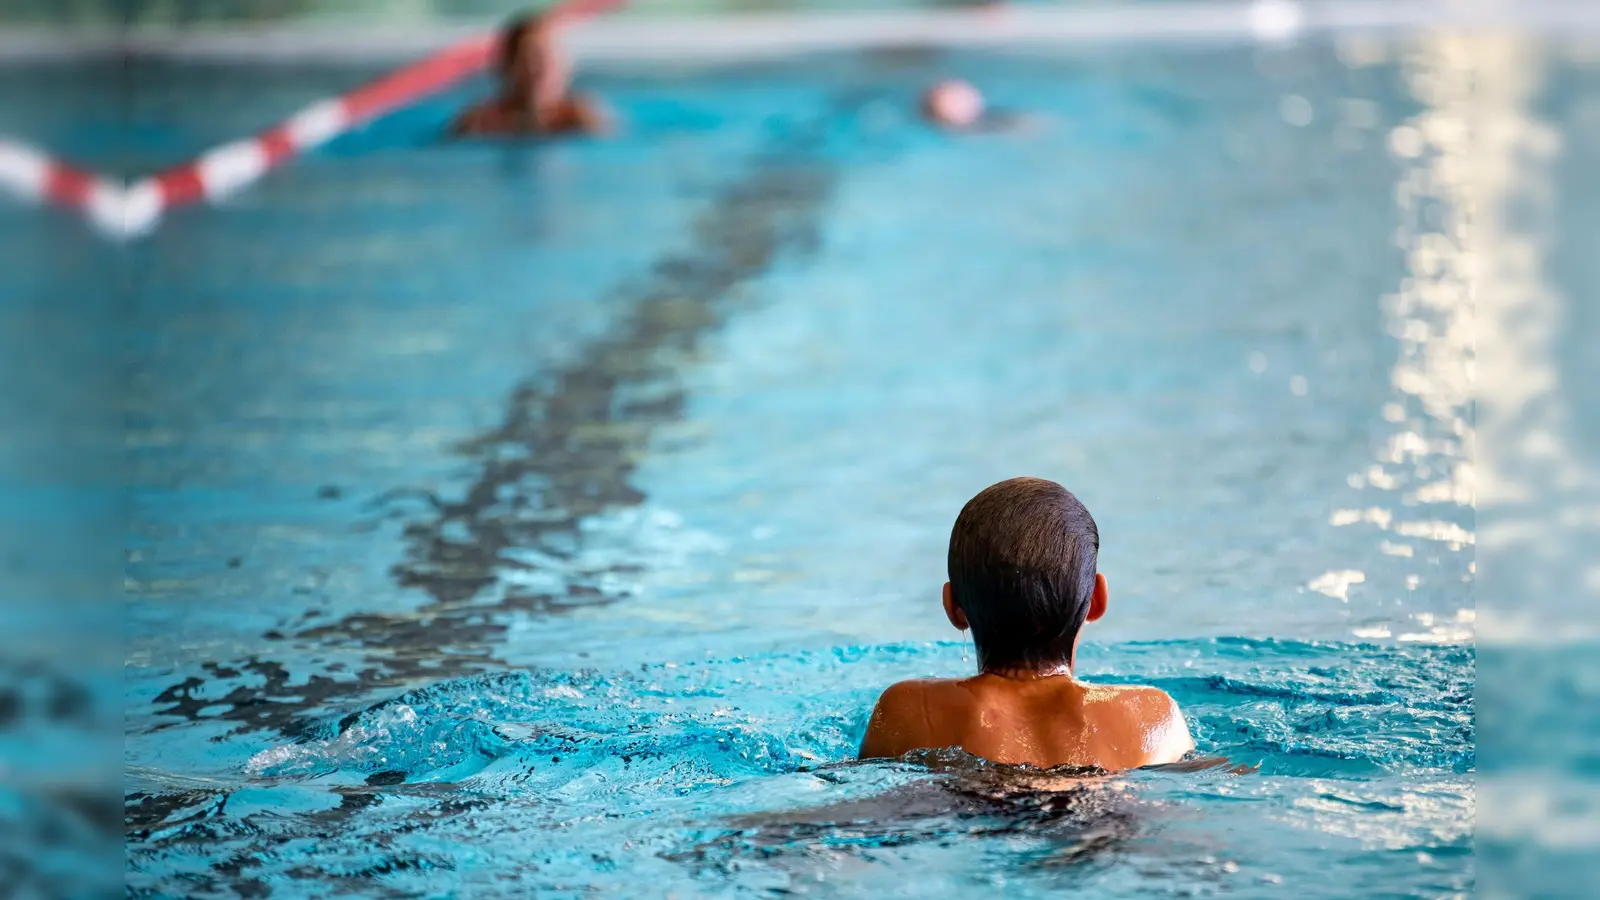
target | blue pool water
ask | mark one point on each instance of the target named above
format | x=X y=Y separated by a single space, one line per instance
x=546 y=519
x=705 y=775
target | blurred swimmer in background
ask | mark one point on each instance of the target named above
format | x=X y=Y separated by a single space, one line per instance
x=956 y=106
x=536 y=95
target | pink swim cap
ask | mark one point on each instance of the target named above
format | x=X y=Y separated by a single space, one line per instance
x=953 y=103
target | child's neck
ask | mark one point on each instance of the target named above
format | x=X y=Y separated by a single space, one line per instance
x=1029 y=673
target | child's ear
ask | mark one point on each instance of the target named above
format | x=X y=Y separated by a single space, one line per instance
x=1097 y=603
x=958 y=618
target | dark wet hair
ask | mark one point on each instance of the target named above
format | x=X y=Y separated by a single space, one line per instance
x=1022 y=567
x=511 y=37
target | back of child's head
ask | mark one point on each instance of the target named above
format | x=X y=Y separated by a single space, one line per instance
x=513 y=34
x=1023 y=557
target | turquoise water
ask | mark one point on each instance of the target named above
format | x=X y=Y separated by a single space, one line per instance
x=513 y=520
x=718 y=775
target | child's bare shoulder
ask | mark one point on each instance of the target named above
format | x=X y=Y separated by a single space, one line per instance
x=1141 y=701
x=1141 y=695
x=917 y=692
x=1164 y=733
x=907 y=716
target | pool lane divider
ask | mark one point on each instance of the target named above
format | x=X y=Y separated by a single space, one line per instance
x=35 y=176
x=129 y=210
x=125 y=210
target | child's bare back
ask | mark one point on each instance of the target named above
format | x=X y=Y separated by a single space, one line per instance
x=1023 y=578
x=1047 y=721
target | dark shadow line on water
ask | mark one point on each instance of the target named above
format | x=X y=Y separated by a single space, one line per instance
x=564 y=451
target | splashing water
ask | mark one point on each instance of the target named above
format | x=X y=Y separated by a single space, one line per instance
x=738 y=774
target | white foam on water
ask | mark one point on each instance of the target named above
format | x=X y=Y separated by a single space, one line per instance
x=357 y=746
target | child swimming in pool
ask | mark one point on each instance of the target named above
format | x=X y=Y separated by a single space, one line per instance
x=536 y=95
x=1023 y=577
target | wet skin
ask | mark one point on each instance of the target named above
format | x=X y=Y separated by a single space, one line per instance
x=535 y=91
x=1044 y=717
